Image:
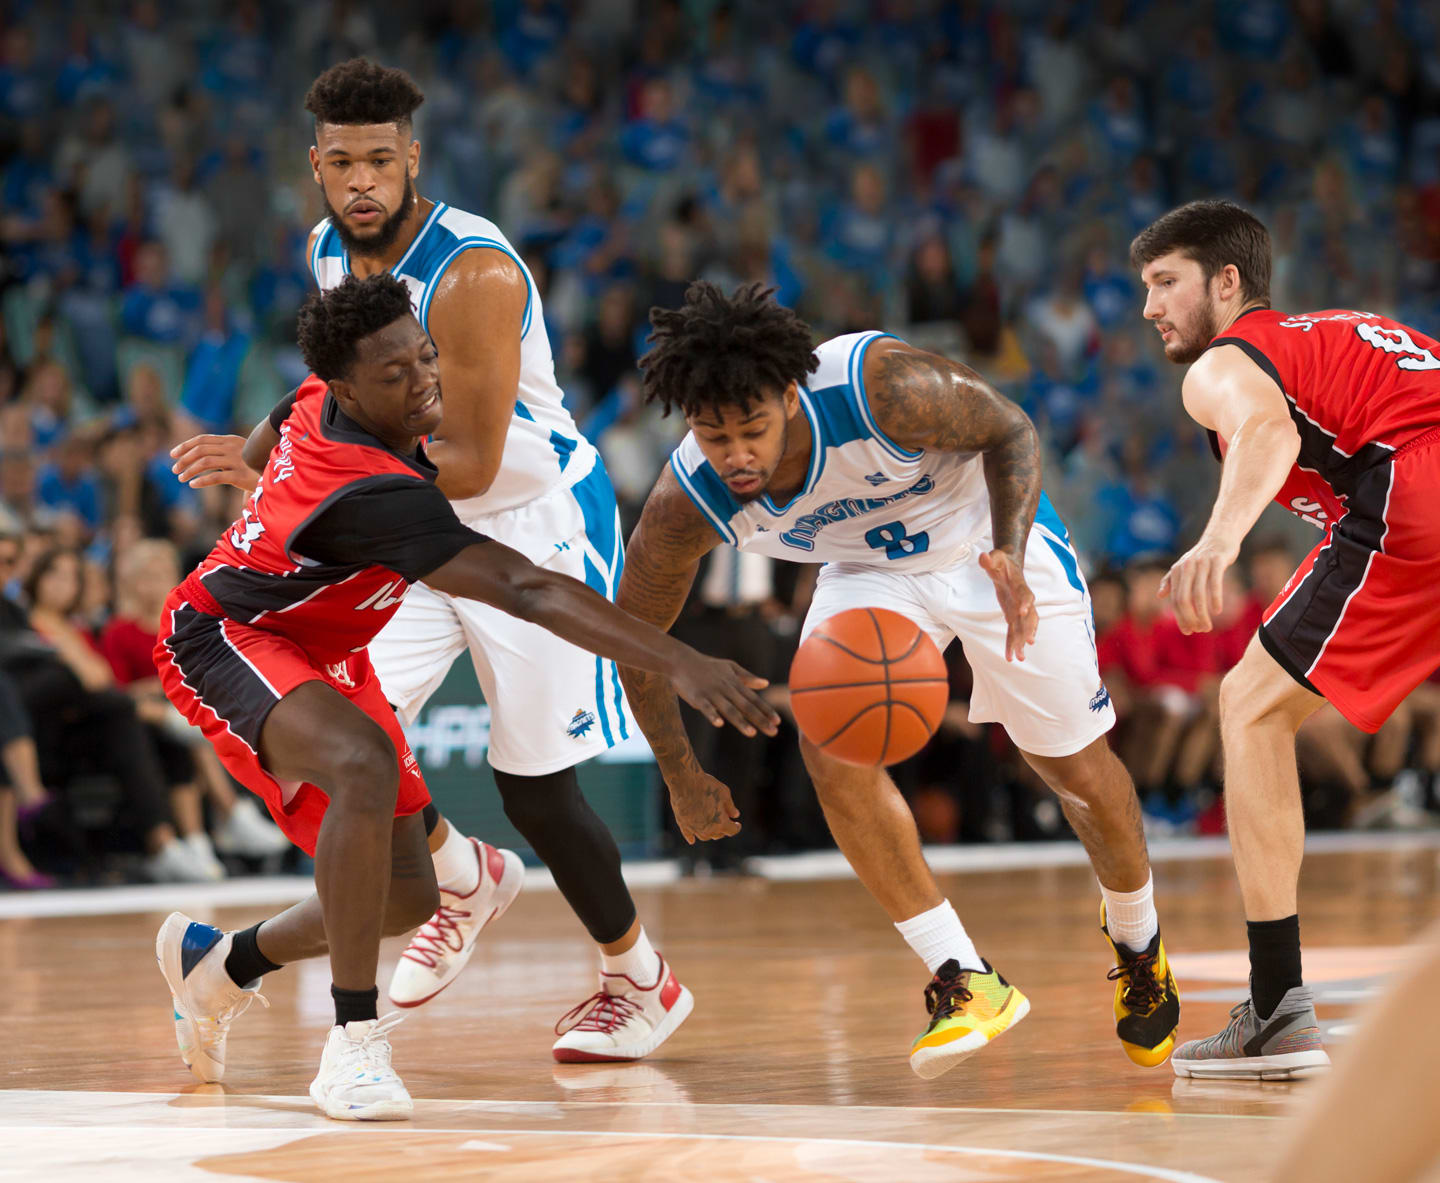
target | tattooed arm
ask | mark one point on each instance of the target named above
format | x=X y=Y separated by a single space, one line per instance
x=928 y=403
x=660 y=563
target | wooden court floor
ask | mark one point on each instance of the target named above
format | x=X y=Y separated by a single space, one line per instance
x=793 y=1066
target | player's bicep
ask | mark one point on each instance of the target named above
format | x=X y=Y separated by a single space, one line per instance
x=663 y=553
x=477 y=319
x=929 y=403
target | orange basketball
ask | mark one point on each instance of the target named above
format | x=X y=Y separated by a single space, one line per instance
x=868 y=687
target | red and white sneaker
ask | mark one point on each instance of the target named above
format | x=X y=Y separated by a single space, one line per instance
x=622 y=1021
x=440 y=948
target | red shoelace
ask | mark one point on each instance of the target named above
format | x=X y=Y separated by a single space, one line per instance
x=606 y=1012
x=434 y=938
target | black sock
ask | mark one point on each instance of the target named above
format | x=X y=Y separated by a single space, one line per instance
x=354 y=1006
x=1274 y=961
x=244 y=963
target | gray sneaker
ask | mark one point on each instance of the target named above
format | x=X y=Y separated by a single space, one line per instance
x=1283 y=1047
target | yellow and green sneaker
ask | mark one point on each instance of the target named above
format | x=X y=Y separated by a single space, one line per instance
x=968 y=1009
x=1147 y=1000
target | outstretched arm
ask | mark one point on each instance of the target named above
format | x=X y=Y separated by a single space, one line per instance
x=205 y=460
x=1228 y=393
x=928 y=403
x=495 y=574
x=660 y=563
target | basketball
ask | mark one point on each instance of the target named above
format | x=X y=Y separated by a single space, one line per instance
x=868 y=687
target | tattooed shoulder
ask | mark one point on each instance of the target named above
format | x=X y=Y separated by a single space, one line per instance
x=922 y=400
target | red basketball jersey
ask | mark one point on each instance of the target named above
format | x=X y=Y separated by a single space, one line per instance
x=1359 y=386
x=256 y=574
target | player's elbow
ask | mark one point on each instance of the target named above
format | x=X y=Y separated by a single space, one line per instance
x=471 y=482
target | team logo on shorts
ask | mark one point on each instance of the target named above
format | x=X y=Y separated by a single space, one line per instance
x=1101 y=699
x=580 y=723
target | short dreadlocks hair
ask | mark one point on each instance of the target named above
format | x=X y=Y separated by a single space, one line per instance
x=720 y=350
x=332 y=324
x=362 y=91
x=1214 y=234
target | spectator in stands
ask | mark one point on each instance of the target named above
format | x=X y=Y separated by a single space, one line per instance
x=157 y=308
x=144 y=574
x=83 y=722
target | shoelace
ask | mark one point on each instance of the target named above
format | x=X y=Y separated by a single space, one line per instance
x=1143 y=990
x=373 y=1049
x=943 y=998
x=434 y=939
x=600 y=1012
x=224 y=1018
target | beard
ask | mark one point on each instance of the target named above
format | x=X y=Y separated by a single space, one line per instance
x=1190 y=346
x=385 y=235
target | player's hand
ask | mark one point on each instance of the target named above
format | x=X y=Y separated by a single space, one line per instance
x=703 y=808
x=1195 y=585
x=205 y=460
x=724 y=693
x=1017 y=601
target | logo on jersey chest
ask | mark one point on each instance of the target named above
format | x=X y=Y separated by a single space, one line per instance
x=807 y=527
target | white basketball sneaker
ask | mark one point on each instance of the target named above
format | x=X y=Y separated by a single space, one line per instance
x=355 y=1081
x=623 y=1021
x=439 y=950
x=192 y=958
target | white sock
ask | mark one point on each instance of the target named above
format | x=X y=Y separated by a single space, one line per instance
x=640 y=963
x=1130 y=916
x=937 y=936
x=456 y=867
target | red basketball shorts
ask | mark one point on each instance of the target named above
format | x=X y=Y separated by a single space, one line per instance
x=226 y=677
x=1359 y=622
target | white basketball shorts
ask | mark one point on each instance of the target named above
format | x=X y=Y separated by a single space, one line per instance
x=551 y=705
x=1053 y=703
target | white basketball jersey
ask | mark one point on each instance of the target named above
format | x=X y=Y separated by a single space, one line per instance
x=865 y=499
x=544 y=450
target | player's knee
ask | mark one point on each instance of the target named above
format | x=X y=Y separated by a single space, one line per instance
x=364 y=773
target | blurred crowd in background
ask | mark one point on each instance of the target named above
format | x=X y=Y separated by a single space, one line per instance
x=967 y=174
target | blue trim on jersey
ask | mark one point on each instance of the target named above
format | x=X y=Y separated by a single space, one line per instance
x=596 y=580
x=710 y=496
x=476 y=242
x=817 y=463
x=862 y=401
x=317 y=252
x=839 y=422
x=523 y=411
x=563 y=446
x=439 y=208
x=1050 y=524
x=596 y=497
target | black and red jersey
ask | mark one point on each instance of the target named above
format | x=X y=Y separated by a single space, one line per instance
x=1359 y=387
x=337 y=529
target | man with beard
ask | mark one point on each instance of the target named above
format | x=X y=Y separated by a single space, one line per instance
x=1335 y=415
x=516 y=469
x=917 y=485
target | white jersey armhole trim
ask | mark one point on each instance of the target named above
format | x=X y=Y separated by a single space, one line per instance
x=862 y=400
x=477 y=243
x=721 y=528
x=321 y=232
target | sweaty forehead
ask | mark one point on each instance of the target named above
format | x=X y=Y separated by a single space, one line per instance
x=358 y=139
x=397 y=341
